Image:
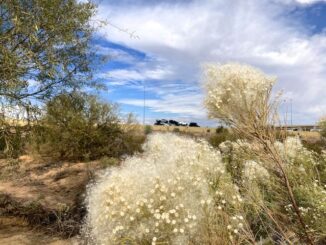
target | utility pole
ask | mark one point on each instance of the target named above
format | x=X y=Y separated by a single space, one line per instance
x=144 y=97
x=291 y=112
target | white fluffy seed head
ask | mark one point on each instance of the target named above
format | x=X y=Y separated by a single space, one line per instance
x=155 y=179
x=233 y=90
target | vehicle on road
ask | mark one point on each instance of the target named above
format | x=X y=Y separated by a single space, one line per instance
x=162 y=122
x=173 y=123
x=193 y=124
x=183 y=124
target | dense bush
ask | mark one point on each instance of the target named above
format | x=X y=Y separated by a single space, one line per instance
x=317 y=146
x=12 y=138
x=322 y=125
x=243 y=164
x=240 y=96
x=222 y=134
x=148 y=129
x=79 y=127
x=170 y=195
x=176 y=130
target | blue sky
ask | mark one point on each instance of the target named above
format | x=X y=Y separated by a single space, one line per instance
x=164 y=45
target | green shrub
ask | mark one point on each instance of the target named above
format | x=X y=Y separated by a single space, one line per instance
x=79 y=127
x=108 y=161
x=176 y=130
x=322 y=125
x=11 y=140
x=222 y=134
x=220 y=129
x=317 y=146
x=148 y=129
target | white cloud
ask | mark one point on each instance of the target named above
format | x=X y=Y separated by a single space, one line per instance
x=180 y=37
x=299 y=2
x=130 y=76
x=114 y=54
x=184 y=106
x=309 y=1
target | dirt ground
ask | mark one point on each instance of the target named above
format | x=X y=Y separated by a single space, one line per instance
x=41 y=202
x=15 y=231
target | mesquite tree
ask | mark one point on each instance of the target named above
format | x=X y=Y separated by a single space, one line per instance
x=44 y=50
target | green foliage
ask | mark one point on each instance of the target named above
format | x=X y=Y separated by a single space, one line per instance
x=222 y=134
x=176 y=130
x=148 y=129
x=316 y=146
x=108 y=161
x=79 y=127
x=44 y=50
x=322 y=125
x=11 y=140
x=44 y=47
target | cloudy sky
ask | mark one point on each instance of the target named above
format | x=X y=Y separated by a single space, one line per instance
x=163 y=45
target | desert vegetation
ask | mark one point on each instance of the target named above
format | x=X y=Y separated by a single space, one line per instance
x=53 y=134
x=255 y=188
x=72 y=166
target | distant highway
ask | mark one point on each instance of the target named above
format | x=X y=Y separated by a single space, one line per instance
x=300 y=127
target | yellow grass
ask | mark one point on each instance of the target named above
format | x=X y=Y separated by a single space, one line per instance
x=207 y=131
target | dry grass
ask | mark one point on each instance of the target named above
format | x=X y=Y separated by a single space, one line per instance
x=208 y=131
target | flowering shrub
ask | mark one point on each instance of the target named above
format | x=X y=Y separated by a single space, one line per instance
x=307 y=173
x=177 y=192
x=181 y=191
x=305 y=169
x=240 y=96
x=235 y=91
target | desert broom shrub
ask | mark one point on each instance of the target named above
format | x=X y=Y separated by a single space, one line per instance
x=260 y=191
x=168 y=195
x=183 y=191
x=240 y=96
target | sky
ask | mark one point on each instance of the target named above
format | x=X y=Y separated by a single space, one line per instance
x=162 y=46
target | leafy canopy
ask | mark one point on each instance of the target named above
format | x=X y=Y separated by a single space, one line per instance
x=44 y=48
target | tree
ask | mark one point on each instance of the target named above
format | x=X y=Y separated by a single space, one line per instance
x=44 y=48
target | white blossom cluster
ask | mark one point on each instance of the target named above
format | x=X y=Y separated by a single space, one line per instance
x=164 y=195
x=239 y=154
x=235 y=90
x=291 y=147
x=254 y=170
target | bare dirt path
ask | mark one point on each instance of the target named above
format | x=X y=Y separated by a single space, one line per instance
x=17 y=232
x=41 y=202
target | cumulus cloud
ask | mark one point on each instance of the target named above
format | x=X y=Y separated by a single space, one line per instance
x=309 y=1
x=181 y=36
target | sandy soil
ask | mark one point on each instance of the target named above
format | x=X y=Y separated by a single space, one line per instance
x=54 y=187
x=50 y=184
x=14 y=231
